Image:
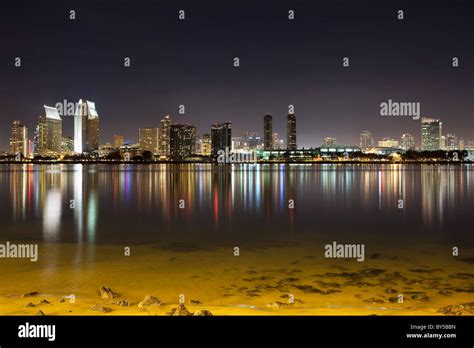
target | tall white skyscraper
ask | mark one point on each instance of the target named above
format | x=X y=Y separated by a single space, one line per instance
x=86 y=127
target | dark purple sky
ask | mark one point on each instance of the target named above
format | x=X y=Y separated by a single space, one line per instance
x=283 y=62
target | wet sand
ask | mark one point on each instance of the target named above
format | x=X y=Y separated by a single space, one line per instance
x=261 y=281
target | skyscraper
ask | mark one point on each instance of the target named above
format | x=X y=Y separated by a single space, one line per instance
x=366 y=140
x=182 y=141
x=50 y=133
x=164 y=136
x=291 y=131
x=452 y=142
x=407 y=142
x=252 y=140
x=431 y=130
x=148 y=138
x=221 y=137
x=86 y=127
x=268 y=132
x=206 y=147
x=19 y=139
x=67 y=145
x=277 y=142
x=119 y=140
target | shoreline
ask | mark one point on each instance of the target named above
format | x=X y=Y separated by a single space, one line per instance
x=258 y=282
x=230 y=164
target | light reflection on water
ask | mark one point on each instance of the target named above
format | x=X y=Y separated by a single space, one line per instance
x=141 y=203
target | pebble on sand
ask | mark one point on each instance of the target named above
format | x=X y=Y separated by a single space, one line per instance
x=30 y=294
x=99 y=308
x=106 y=292
x=149 y=301
x=181 y=310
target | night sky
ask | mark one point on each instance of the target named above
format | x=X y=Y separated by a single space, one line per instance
x=282 y=62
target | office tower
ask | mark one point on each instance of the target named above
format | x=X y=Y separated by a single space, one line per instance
x=182 y=141
x=277 y=142
x=442 y=142
x=36 y=140
x=148 y=138
x=388 y=142
x=67 y=145
x=86 y=127
x=431 y=130
x=119 y=140
x=453 y=142
x=268 y=132
x=31 y=147
x=19 y=139
x=221 y=137
x=206 y=146
x=50 y=133
x=291 y=131
x=407 y=142
x=329 y=141
x=164 y=136
x=198 y=149
x=252 y=140
x=366 y=140
x=470 y=145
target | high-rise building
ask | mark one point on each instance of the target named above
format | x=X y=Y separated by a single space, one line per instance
x=206 y=147
x=442 y=142
x=119 y=140
x=291 y=131
x=407 y=142
x=388 y=142
x=86 y=127
x=277 y=142
x=36 y=140
x=182 y=141
x=470 y=145
x=19 y=139
x=252 y=141
x=50 y=132
x=268 y=132
x=164 y=136
x=221 y=137
x=329 y=141
x=366 y=140
x=148 y=138
x=431 y=130
x=67 y=145
x=452 y=142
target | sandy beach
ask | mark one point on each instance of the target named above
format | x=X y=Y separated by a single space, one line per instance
x=276 y=280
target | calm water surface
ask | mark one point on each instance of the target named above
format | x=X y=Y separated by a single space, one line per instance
x=111 y=204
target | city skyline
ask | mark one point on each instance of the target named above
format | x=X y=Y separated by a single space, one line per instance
x=299 y=63
x=89 y=114
x=181 y=140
